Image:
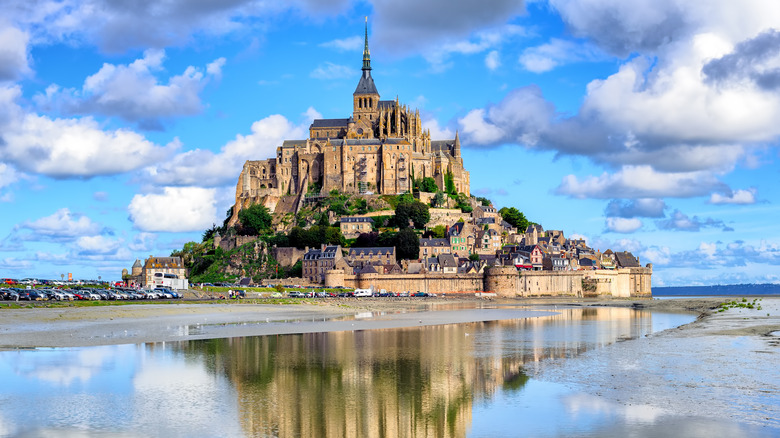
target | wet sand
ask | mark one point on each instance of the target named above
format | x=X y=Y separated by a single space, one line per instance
x=121 y=324
x=722 y=366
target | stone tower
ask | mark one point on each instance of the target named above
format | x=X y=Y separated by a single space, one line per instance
x=365 y=99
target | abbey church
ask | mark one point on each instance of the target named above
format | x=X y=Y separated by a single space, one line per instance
x=379 y=149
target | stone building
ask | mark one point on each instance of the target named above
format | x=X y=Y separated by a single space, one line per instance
x=378 y=149
x=152 y=270
x=317 y=261
x=353 y=226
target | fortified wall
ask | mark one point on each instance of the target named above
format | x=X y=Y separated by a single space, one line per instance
x=506 y=281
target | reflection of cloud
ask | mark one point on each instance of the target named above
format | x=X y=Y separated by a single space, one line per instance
x=171 y=396
x=588 y=404
x=64 y=367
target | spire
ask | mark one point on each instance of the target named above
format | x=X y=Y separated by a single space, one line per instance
x=366 y=84
x=366 y=52
x=457 y=144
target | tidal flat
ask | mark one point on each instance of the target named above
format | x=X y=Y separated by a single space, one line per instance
x=377 y=368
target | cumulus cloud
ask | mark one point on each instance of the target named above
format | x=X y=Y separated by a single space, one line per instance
x=97 y=245
x=557 y=52
x=741 y=197
x=61 y=226
x=642 y=207
x=679 y=221
x=640 y=182
x=176 y=209
x=132 y=92
x=68 y=148
x=756 y=59
x=204 y=168
x=439 y=55
x=331 y=71
x=623 y=225
x=14 y=59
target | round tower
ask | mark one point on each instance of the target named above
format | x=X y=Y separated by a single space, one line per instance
x=334 y=278
x=502 y=280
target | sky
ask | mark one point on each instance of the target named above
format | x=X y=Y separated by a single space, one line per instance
x=650 y=126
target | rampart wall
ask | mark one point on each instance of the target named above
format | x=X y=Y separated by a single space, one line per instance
x=507 y=282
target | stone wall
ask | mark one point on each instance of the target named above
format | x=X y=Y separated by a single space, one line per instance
x=507 y=282
x=288 y=256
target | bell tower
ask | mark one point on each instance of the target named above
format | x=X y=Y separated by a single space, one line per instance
x=365 y=99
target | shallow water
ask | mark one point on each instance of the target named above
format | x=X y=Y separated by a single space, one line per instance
x=448 y=380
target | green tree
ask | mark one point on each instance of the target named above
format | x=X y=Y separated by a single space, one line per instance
x=514 y=217
x=407 y=245
x=438 y=199
x=415 y=211
x=428 y=185
x=439 y=231
x=256 y=220
x=474 y=257
x=485 y=202
x=449 y=183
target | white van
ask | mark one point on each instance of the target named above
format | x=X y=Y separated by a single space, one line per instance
x=363 y=293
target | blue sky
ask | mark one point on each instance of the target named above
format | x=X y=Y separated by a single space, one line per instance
x=649 y=126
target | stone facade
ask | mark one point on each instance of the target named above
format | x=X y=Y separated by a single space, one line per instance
x=379 y=148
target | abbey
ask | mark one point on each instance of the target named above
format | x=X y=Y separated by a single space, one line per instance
x=379 y=149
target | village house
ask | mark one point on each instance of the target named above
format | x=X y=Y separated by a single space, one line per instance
x=318 y=261
x=359 y=257
x=431 y=247
x=353 y=226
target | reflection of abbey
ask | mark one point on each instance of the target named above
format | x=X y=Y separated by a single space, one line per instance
x=378 y=149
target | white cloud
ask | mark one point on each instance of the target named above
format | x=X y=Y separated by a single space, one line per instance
x=67 y=148
x=557 y=52
x=330 y=70
x=133 y=92
x=623 y=225
x=97 y=245
x=493 y=60
x=346 y=44
x=8 y=175
x=215 y=68
x=639 y=182
x=741 y=197
x=437 y=132
x=62 y=225
x=177 y=209
x=14 y=62
x=206 y=169
x=439 y=55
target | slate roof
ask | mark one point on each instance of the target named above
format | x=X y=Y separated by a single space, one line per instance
x=447 y=261
x=434 y=242
x=329 y=123
x=366 y=84
x=351 y=219
x=293 y=143
x=382 y=250
x=318 y=254
x=414 y=268
x=386 y=104
x=368 y=269
x=626 y=260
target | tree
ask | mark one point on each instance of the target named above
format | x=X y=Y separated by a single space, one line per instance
x=485 y=202
x=256 y=220
x=415 y=210
x=428 y=185
x=474 y=257
x=208 y=234
x=438 y=199
x=449 y=183
x=514 y=217
x=407 y=245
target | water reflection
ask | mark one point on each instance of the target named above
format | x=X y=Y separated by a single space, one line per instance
x=433 y=381
x=408 y=382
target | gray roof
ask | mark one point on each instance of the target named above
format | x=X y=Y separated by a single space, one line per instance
x=293 y=143
x=363 y=141
x=434 y=242
x=386 y=104
x=447 y=261
x=381 y=250
x=329 y=123
x=626 y=260
x=137 y=264
x=366 y=84
x=356 y=219
x=414 y=268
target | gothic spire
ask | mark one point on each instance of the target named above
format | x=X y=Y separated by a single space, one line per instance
x=366 y=52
